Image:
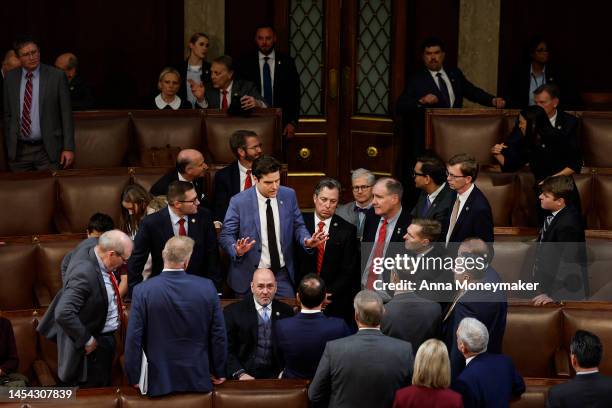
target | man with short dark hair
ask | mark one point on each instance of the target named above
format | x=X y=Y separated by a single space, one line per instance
x=182 y=217
x=236 y=177
x=589 y=388
x=261 y=227
x=190 y=167
x=365 y=369
x=176 y=319
x=38 y=127
x=300 y=340
x=81 y=94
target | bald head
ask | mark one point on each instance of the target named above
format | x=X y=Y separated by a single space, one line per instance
x=190 y=163
x=68 y=63
x=10 y=61
x=114 y=248
x=263 y=286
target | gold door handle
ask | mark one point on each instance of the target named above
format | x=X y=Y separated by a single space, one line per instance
x=372 y=151
x=333 y=83
x=304 y=153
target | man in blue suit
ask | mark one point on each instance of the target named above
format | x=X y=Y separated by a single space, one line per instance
x=176 y=319
x=260 y=228
x=489 y=380
x=300 y=340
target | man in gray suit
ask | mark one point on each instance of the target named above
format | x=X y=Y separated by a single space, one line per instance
x=85 y=314
x=37 y=114
x=365 y=369
x=354 y=212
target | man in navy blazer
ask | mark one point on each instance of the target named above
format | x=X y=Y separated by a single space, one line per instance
x=181 y=217
x=261 y=227
x=301 y=339
x=236 y=177
x=489 y=380
x=176 y=319
x=471 y=215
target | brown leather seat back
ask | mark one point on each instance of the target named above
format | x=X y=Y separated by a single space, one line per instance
x=596 y=140
x=535 y=396
x=132 y=399
x=27 y=206
x=17 y=276
x=262 y=393
x=218 y=130
x=48 y=273
x=527 y=201
x=501 y=190
x=533 y=357
x=598 y=322
x=472 y=134
x=147 y=176
x=584 y=183
x=599 y=255
x=602 y=200
x=24 y=328
x=513 y=260
x=3 y=159
x=101 y=140
x=80 y=196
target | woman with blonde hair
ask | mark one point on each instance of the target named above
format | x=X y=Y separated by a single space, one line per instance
x=169 y=84
x=195 y=68
x=430 y=380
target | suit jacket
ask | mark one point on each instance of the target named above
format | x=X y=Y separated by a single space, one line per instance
x=84 y=245
x=348 y=213
x=362 y=370
x=340 y=269
x=490 y=308
x=240 y=88
x=156 y=229
x=241 y=325
x=176 y=319
x=474 y=220
x=242 y=220
x=286 y=85
x=412 y=318
x=56 y=125
x=440 y=210
x=560 y=265
x=489 y=380
x=300 y=341
x=416 y=396
x=81 y=95
x=161 y=186
x=586 y=390
x=182 y=69
x=226 y=184
x=77 y=312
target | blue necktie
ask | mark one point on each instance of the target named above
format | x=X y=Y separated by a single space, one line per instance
x=267 y=82
x=426 y=205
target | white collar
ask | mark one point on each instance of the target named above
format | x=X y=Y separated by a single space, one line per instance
x=553 y=119
x=593 y=371
x=327 y=222
x=309 y=311
x=241 y=168
x=181 y=178
x=161 y=104
x=271 y=56
x=259 y=307
x=229 y=89
x=434 y=73
x=554 y=213
x=174 y=217
x=467 y=360
x=433 y=195
x=390 y=220
x=464 y=196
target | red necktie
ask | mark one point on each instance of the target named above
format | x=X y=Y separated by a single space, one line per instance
x=117 y=297
x=182 y=231
x=26 y=120
x=248 y=182
x=224 y=101
x=320 y=250
x=378 y=252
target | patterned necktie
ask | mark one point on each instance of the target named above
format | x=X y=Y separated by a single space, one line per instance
x=182 y=230
x=247 y=181
x=546 y=225
x=379 y=250
x=224 y=100
x=443 y=90
x=26 y=120
x=320 y=250
x=264 y=314
x=267 y=82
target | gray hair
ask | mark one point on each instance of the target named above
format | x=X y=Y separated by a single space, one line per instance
x=368 y=307
x=329 y=183
x=178 y=249
x=361 y=173
x=114 y=240
x=473 y=334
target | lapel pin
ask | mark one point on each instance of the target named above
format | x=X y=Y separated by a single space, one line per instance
x=281 y=202
x=277 y=314
x=335 y=224
x=399 y=230
x=193 y=220
x=467 y=208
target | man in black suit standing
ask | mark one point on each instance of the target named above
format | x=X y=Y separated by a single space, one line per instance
x=181 y=217
x=250 y=326
x=471 y=214
x=275 y=76
x=81 y=94
x=236 y=177
x=385 y=224
x=335 y=260
x=436 y=198
x=190 y=167
x=589 y=388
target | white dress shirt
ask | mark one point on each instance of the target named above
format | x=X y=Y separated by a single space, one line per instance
x=451 y=93
x=432 y=197
x=174 y=219
x=265 y=261
x=243 y=175
x=326 y=225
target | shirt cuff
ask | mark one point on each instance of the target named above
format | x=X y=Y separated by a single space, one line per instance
x=90 y=341
x=238 y=373
x=218 y=224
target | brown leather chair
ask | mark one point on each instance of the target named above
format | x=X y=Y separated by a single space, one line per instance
x=599 y=255
x=80 y=196
x=536 y=393
x=147 y=176
x=48 y=274
x=28 y=206
x=501 y=191
x=533 y=340
x=513 y=260
x=584 y=183
x=3 y=159
x=602 y=200
x=527 y=201
x=596 y=139
x=101 y=139
x=262 y=393
x=131 y=398
x=17 y=276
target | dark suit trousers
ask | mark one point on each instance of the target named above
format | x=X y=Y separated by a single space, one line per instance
x=31 y=157
x=100 y=362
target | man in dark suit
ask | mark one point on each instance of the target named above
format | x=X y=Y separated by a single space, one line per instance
x=436 y=198
x=237 y=177
x=300 y=340
x=81 y=95
x=385 y=224
x=190 y=166
x=589 y=388
x=275 y=76
x=225 y=92
x=362 y=182
x=38 y=126
x=560 y=266
x=471 y=214
x=336 y=260
x=489 y=307
x=181 y=217
x=365 y=369
x=250 y=325
x=85 y=314
x=177 y=321
x=489 y=380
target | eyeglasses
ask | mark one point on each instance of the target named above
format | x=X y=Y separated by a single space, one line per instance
x=453 y=176
x=361 y=188
x=259 y=146
x=125 y=260
x=29 y=54
x=195 y=200
x=414 y=174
